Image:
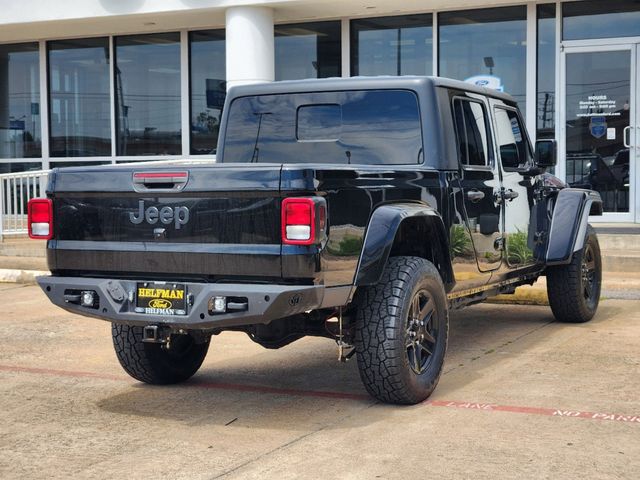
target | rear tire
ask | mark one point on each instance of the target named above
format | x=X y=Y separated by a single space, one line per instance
x=151 y=362
x=402 y=327
x=574 y=289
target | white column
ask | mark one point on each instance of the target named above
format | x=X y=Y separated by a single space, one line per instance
x=532 y=72
x=345 y=35
x=249 y=45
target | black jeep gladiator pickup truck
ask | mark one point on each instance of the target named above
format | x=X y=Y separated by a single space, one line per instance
x=361 y=210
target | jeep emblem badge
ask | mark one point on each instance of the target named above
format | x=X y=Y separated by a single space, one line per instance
x=166 y=215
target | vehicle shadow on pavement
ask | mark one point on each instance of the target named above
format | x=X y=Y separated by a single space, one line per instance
x=304 y=382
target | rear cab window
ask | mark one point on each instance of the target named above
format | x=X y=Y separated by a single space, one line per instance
x=376 y=127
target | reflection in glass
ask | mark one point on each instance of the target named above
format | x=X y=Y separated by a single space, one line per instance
x=471 y=132
x=208 y=88
x=12 y=167
x=79 y=109
x=62 y=164
x=489 y=42
x=546 y=71
x=377 y=127
x=147 y=84
x=597 y=109
x=600 y=19
x=512 y=140
x=319 y=122
x=400 y=45
x=19 y=101
x=307 y=50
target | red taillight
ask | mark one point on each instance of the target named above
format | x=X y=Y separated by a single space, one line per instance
x=298 y=221
x=40 y=218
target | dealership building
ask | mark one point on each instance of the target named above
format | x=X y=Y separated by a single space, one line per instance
x=109 y=81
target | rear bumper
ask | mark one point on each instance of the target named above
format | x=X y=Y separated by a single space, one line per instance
x=264 y=302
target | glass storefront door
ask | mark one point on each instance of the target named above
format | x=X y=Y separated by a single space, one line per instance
x=599 y=132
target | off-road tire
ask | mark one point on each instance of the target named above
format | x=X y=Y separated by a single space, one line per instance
x=152 y=362
x=384 y=358
x=573 y=295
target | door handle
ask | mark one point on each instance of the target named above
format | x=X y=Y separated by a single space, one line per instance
x=509 y=194
x=475 y=195
x=626 y=136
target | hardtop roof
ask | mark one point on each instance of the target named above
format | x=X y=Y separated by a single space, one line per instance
x=362 y=83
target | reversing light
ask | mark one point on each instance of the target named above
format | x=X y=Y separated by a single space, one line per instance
x=40 y=218
x=298 y=221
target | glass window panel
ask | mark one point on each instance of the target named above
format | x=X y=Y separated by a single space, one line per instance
x=319 y=122
x=208 y=88
x=147 y=84
x=600 y=19
x=392 y=45
x=512 y=140
x=598 y=109
x=471 y=130
x=12 y=167
x=377 y=127
x=20 y=135
x=490 y=43
x=307 y=50
x=79 y=107
x=546 y=71
x=59 y=164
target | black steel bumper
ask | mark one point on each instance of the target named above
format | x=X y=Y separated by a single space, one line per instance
x=116 y=301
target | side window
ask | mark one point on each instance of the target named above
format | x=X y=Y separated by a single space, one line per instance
x=512 y=140
x=472 y=133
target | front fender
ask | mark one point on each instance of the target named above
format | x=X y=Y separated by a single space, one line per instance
x=381 y=233
x=569 y=223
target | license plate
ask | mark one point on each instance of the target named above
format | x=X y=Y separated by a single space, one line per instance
x=157 y=298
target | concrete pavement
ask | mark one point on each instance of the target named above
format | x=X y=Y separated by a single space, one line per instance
x=521 y=397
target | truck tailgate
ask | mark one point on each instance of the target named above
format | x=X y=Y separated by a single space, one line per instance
x=212 y=222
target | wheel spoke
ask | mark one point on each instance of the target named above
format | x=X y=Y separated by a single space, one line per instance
x=428 y=308
x=417 y=357
x=429 y=338
x=423 y=347
x=587 y=289
x=410 y=342
x=415 y=308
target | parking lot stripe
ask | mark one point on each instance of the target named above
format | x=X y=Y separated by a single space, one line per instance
x=550 y=412
x=484 y=407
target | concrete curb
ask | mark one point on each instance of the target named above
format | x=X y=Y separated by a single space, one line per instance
x=26 y=277
x=523 y=296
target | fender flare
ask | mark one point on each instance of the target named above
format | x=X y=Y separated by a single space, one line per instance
x=569 y=223
x=381 y=233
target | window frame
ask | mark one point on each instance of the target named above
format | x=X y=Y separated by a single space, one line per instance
x=52 y=156
x=189 y=53
x=525 y=138
x=421 y=161
x=489 y=167
x=391 y=22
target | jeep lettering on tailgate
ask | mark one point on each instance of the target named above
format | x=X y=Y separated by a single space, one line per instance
x=177 y=215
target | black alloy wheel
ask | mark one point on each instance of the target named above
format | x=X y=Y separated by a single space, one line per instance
x=422 y=331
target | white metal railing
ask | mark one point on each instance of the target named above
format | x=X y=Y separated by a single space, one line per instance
x=16 y=189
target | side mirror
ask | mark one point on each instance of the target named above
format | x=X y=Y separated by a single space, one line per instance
x=546 y=155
